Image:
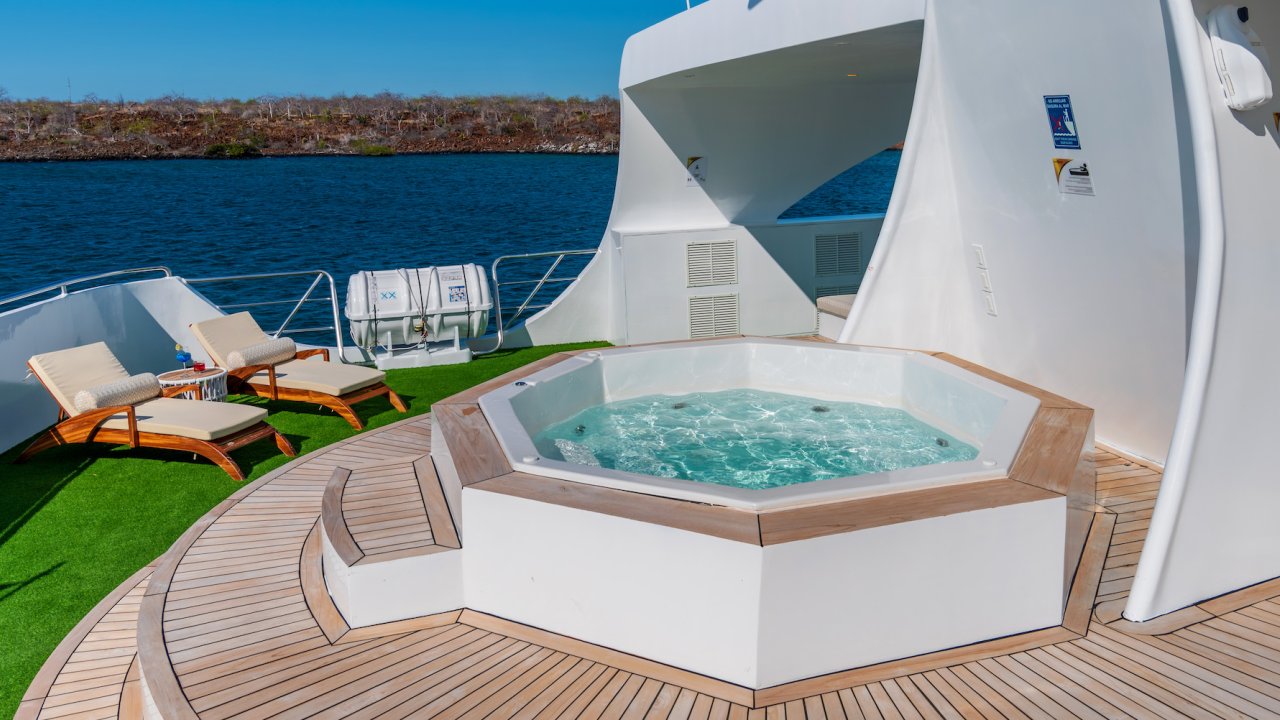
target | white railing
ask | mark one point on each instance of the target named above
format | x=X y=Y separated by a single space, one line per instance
x=320 y=276
x=63 y=287
x=527 y=306
x=321 y=280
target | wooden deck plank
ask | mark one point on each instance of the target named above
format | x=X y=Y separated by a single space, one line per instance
x=1129 y=701
x=960 y=696
x=477 y=455
x=586 y=686
x=791 y=524
x=349 y=693
x=549 y=688
x=437 y=676
x=723 y=522
x=563 y=673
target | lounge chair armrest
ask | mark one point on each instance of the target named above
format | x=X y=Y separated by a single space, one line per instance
x=304 y=354
x=246 y=372
x=89 y=421
x=179 y=389
x=242 y=375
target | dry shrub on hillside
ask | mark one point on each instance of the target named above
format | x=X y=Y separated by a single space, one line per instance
x=386 y=123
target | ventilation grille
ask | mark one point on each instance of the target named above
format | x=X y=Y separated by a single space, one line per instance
x=712 y=263
x=713 y=316
x=836 y=290
x=838 y=254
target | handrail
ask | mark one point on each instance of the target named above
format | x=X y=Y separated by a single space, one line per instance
x=62 y=287
x=320 y=275
x=538 y=284
x=267 y=303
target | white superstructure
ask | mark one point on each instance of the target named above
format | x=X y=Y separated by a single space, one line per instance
x=1079 y=205
x=1084 y=203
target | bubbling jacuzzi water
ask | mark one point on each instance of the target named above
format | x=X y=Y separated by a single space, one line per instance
x=748 y=438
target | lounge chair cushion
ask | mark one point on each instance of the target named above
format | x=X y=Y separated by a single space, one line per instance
x=67 y=372
x=129 y=391
x=317 y=375
x=190 y=418
x=221 y=336
x=264 y=353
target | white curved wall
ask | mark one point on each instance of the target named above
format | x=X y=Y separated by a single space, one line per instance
x=720 y=31
x=1218 y=528
x=1090 y=292
x=139 y=321
x=763 y=91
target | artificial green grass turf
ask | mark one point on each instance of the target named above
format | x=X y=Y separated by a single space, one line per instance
x=77 y=521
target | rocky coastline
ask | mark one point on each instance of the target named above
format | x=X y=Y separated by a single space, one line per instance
x=43 y=130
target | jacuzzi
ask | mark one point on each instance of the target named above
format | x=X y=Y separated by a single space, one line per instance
x=987 y=415
x=761 y=587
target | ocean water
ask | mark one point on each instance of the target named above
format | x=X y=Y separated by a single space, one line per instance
x=342 y=214
x=748 y=438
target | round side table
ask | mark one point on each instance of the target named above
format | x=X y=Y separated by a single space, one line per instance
x=212 y=382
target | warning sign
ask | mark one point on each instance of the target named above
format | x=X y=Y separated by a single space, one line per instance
x=1074 y=177
x=1062 y=121
x=697 y=171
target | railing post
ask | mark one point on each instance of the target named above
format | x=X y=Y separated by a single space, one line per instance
x=499 y=322
x=298 y=306
x=337 y=324
x=543 y=281
x=497 y=304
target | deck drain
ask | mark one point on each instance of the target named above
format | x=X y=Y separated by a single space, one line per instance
x=821 y=408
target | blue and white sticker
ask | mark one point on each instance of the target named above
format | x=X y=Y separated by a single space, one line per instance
x=1062 y=121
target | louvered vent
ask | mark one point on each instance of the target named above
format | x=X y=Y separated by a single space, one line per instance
x=712 y=263
x=713 y=316
x=839 y=254
x=836 y=290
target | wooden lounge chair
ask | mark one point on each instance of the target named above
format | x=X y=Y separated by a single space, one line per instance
x=83 y=375
x=272 y=368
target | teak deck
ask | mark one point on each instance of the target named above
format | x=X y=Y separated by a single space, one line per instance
x=221 y=628
x=387 y=509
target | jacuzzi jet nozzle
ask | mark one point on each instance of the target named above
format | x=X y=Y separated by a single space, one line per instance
x=580 y=429
x=942 y=442
x=821 y=408
x=679 y=406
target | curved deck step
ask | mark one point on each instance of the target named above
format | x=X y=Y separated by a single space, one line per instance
x=225 y=631
x=387 y=509
x=388 y=545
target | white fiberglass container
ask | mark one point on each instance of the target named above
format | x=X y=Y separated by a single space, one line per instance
x=411 y=306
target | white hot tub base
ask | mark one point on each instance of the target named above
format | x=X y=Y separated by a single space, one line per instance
x=759 y=616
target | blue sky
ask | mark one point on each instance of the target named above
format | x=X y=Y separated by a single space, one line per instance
x=148 y=48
